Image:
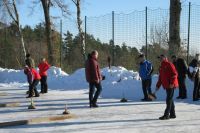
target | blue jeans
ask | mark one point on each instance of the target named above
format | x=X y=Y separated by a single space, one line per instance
x=170 y=108
x=93 y=97
x=146 y=87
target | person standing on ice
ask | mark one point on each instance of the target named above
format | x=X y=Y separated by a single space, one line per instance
x=168 y=78
x=93 y=77
x=43 y=67
x=181 y=67
x=27 y=72
x=194 y=75
x=29 y=63
x=145 y=73
x=36 y=79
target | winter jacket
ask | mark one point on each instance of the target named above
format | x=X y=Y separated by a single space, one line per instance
x=145 y=70
x=92 y=70
x=167 y=75
x=43 y=67
x=36 y=75
x=181 y=67
x=30 y=62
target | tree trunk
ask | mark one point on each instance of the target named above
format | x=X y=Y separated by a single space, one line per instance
x=46 y=8
x=15 y=17
x=81 y=33
x=174 y=27
x=19 y=28
x=22 y=41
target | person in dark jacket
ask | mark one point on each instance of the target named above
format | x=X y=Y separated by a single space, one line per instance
x=93 y=77
x=168 y=78
x=194 y=75
x=29 y=61
x=27 y=72
x=43 y=67
x=182 y=68
x=145 y=73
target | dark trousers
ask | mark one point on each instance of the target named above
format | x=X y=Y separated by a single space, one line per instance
x=182 y=87
x=93 y=97
x=146 y=87
x=33 y=88
x=170 y=108
x=44 y=86
x=196 y=91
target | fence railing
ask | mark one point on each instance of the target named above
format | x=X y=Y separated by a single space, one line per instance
x=143 y=28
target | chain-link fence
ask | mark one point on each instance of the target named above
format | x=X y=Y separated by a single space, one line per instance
x=144 y=30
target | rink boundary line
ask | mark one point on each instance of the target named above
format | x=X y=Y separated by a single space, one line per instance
x=3 y=94
x=37 y=120
x=13 y=104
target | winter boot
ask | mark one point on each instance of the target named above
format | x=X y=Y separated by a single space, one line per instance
x=164 y=117
x=36 y=93
x=173 y=116
x=31 y=93
x=146 y=99
x=94 y=105
x=195 y=99
x=179 y=97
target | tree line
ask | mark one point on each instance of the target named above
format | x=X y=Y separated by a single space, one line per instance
x=43 y=40
x=69 y=51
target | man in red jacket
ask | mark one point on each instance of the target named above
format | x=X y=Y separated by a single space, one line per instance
x=36 y=79
x=93 y=77
x=43 y=67
x=168 y=78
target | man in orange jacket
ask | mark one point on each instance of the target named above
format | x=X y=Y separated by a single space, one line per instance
x=168 y=78
x=43 y=67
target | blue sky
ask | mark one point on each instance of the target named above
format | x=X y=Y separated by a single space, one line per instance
x=129 y=29
x=94 y=8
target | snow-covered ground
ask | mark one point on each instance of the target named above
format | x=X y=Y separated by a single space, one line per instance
x=112 y=116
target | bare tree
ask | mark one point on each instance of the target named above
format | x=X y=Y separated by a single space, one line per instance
x=79 y=23
x=174 y=27
x=159 y=34
x=47 y=4
x=11 y=8
x=46 y=8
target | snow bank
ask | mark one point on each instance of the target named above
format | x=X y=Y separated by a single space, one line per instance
x=119 y=81
x=11 y=75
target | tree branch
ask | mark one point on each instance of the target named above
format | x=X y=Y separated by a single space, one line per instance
x=74 y=2
x=16 y=13
x=9 y=11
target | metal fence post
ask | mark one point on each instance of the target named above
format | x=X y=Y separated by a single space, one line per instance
x=40 y=36
x=146 y=52
x=61 y=43
x=113 y=37
x=5 y=50
x=85 y=32
x=188 y=39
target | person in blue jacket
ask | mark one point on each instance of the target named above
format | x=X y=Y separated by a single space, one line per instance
x=145 y=72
